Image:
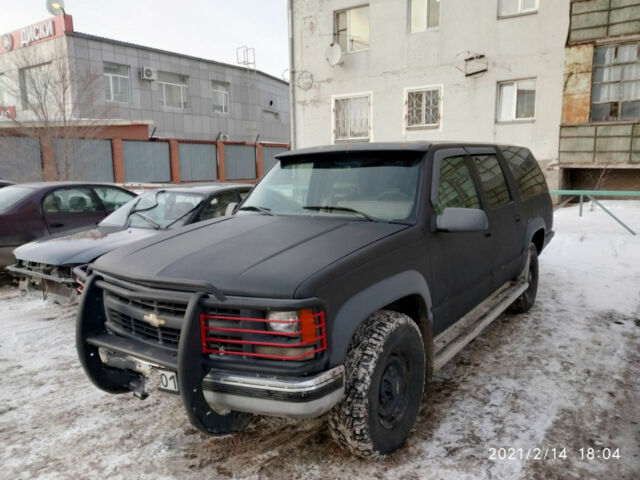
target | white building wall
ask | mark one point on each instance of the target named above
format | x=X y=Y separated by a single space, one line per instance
x=517 y=47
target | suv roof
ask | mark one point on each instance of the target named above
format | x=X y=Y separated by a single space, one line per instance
x=379 y=147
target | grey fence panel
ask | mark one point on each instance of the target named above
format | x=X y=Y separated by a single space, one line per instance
x=240 y=162
x=87 y=160
x=198 y=161
x=268 y=157
x=146 y=161
x=20 y=159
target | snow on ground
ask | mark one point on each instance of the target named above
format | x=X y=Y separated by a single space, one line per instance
x=565 y=376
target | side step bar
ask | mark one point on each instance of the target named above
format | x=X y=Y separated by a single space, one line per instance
x=454 y=338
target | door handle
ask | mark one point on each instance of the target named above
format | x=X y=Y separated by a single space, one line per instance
x=57 y=225
x=518 y=218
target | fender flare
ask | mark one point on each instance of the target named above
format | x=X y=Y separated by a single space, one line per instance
x=358 y=308
x=533 y=226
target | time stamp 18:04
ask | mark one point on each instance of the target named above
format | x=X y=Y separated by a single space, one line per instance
x=589 y=453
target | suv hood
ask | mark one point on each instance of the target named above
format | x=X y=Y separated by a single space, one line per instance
x=248 y=255
x=80 y=247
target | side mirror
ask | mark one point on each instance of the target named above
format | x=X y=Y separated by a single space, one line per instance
x=230 y=208
x=462 y=220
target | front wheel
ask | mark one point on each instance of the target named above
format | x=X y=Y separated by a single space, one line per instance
x=527 y=299
x=385 y=372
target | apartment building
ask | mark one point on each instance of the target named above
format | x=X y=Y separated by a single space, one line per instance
x=402 y=70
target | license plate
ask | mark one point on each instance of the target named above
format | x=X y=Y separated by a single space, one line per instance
x=168 y=381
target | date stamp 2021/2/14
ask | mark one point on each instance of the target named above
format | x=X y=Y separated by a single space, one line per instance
x=548 y=453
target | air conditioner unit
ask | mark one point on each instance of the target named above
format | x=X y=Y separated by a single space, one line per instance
x=148 y=73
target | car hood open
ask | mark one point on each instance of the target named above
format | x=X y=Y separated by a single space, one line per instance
x=81 y=246
x=248 y=255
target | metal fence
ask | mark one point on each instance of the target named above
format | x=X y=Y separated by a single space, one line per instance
x=20 y=159
x=240 y=161
x=89 y=160
x=146 y=161
x=198 y=162
x=268 y=157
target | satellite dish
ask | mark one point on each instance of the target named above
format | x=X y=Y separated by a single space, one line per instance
x=55 y=7
x=334 y=54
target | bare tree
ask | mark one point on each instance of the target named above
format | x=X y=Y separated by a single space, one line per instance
x=50 y=94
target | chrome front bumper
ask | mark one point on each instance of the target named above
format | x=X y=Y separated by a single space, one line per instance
x=282 y=397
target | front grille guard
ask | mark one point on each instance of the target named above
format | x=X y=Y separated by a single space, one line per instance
x=191 y=364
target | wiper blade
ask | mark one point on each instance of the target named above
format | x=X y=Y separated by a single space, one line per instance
x=151 y=221
x=335 y=208
x=253 y=208
x=172 y=222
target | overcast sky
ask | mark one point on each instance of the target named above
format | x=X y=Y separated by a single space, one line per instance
x=211 y=29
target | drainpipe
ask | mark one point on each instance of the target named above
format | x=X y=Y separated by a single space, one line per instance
x=292 y=76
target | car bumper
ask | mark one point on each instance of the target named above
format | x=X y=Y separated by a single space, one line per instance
x=205 y=387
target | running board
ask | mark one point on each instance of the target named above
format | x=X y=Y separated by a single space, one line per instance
x=454 y=338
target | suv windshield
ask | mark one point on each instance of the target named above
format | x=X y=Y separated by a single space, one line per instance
x=11 y=195
x=368 y=187
x=155 y=209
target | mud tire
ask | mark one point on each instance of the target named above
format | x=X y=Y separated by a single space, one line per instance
x=385 y=371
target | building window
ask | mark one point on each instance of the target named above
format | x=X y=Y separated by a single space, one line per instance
x=616 y=83
x=516 y=100
x=174 y=91
x=423 y=107
x=37 y=88
x=220 y=95
x=508 y=8
x=116 y=82
x=352 y=29
x=351 y=117
x=423 y=14
x=4 y=91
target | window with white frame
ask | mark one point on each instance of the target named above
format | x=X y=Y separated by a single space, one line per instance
x=220 y=95
x=116 y=82
x=174 y=92
x=615 y=93
x=351 y=117
x=423 y=14
x=36 y=90
x=351 y=29
x=516 y=100
x=423 y=107
x=508 y=8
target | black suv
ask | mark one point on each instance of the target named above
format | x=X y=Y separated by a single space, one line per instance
x=346 y=278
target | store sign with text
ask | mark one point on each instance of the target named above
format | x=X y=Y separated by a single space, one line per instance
x=40 y=31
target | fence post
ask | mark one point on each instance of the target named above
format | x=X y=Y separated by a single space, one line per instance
x=118 y=160
x=259 y=161
x=174 y=160
x=222 y=169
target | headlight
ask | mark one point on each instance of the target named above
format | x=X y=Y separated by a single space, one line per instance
x=284 y=322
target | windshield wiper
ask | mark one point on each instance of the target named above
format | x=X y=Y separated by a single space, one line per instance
x=151 y=221
x=181 y=216
x=332 y=208
x=262 y=210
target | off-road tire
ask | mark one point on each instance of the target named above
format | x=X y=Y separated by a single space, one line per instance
x=385 y=371
x=525 y=301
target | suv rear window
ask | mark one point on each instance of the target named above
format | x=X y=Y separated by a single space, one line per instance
x=525 y=170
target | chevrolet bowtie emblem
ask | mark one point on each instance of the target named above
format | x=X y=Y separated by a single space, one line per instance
x=154 y=320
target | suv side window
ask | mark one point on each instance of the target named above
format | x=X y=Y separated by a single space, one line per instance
x=455 y=186
x=493 y=181
x=526 y=171
x=70 y=200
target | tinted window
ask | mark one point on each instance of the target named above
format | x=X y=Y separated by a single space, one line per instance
x=493 y=182
x=112 y=198
x=455 y=186
x=70 y=200
x=217 y=206
x=382 y=185
x=526 y=171
x=10 y=196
